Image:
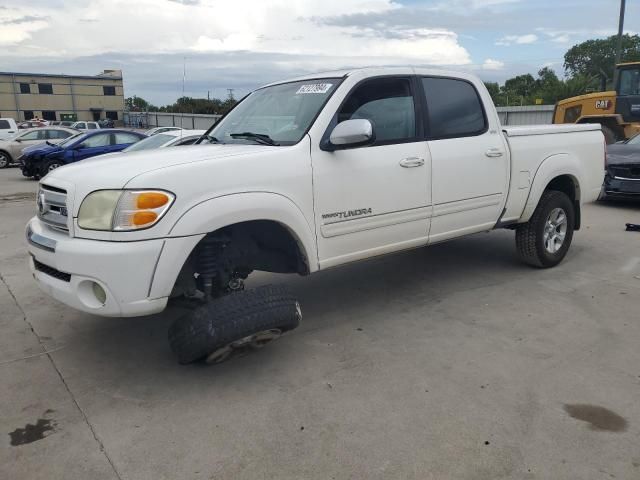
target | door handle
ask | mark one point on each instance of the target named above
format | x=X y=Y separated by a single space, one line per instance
x=411 y=162
x=493 y=152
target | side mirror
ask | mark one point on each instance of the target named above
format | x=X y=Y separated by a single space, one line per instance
x=19 y=140
x=352 y=133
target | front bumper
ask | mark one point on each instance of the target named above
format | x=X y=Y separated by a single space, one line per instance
x=614 y=186
x=67 y=268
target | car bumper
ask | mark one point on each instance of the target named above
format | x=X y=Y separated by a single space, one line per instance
x=614 y=186
x=68 y=269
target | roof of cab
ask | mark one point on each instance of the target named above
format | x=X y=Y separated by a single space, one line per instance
x=381 y=70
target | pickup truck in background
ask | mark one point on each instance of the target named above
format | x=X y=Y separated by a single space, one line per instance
x=301 y=176
x=8 y=128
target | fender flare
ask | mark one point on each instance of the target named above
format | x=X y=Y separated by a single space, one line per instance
x=552 y=167
x=215 y=213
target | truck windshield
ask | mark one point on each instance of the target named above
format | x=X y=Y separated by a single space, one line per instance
x=282 y=113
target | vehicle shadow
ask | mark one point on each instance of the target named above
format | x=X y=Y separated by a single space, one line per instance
x=128 y=351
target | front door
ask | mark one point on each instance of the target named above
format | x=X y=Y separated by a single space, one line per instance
x=374 y=199
x=92 y=146
x=470 y=161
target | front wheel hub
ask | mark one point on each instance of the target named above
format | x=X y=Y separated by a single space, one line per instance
x=243 y=345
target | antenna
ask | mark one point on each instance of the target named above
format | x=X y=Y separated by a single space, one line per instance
x=184 y=76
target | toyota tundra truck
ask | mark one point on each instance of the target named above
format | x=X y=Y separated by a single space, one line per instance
x=301 y=176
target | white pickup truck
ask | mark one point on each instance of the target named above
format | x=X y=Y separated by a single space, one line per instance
x=300 y=176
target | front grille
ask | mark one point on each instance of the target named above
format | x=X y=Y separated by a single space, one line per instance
x=52 y=272
x=629 y=171
x=52 y=207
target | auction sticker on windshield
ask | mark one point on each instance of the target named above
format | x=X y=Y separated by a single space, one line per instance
x=314 y=88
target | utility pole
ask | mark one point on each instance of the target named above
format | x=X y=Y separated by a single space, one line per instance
x=619 y=46
x=230 y=91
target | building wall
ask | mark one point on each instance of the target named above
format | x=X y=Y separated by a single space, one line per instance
x=82 y=95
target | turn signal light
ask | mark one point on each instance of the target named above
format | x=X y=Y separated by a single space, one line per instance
x=152 y=200
x=140 y=219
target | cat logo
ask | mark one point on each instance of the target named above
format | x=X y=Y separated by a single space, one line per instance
x=603 y=104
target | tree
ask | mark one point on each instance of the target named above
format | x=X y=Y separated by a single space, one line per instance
x=494 y=91
x=597 y=58
x=138 y=104
x=521 y=85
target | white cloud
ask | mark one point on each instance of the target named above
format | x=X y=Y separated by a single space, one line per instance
x=155 y=26
x=491 y=64
x=517 y=39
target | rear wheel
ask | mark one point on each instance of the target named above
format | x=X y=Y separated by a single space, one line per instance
x=545 y=239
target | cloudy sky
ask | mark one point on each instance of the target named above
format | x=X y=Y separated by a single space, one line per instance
x=242 y=44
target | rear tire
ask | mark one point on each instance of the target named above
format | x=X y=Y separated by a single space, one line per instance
x=545 y=239
x=233 y=318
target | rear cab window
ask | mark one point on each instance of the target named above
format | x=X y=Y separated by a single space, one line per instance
x=454 y=108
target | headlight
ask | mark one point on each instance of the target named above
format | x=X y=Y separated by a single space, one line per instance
x=123 y=210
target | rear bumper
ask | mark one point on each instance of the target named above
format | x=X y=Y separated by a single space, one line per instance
x=67 y=268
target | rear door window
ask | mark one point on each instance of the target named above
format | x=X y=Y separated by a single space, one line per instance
x=454 y=108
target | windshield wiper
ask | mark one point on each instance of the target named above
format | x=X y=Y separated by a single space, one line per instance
x=212 y=139
x=258 y=137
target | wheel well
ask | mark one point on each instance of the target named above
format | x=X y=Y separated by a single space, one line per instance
x=569 y=186
x=236 y=250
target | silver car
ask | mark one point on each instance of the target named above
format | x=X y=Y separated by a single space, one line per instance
x=11 y=149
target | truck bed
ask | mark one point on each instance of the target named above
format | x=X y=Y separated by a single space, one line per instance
x=527 y=130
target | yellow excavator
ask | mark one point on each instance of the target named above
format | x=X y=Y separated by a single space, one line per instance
x=617 y=111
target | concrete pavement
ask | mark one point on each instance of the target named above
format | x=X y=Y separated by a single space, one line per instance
x=454 y=361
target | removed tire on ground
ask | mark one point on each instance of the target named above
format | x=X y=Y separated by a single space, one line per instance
x=222 y=328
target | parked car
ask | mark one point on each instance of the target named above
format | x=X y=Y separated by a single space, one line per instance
x=156 y=130
x=31 y=124
x=8 y=128
x=37 y=161
x=66 y=123
x=622 y=175
x=86 y=125
x=302 y=176
x=172 y=138
x=11 y=149
x=106 y=123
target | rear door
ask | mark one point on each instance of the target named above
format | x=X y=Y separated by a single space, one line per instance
x=469 y=157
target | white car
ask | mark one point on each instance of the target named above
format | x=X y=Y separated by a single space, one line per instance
x=86 y=125
x=156 y=130
x=8 y=128
x=301 y=176
x=169 y=138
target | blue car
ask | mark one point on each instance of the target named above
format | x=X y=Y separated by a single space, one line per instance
x=38 y=160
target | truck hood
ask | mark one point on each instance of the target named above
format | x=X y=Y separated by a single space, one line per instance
x=115 y=172
x=622 y=153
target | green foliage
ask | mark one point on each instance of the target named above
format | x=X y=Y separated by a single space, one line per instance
x=597 y=57
x=547 y=87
